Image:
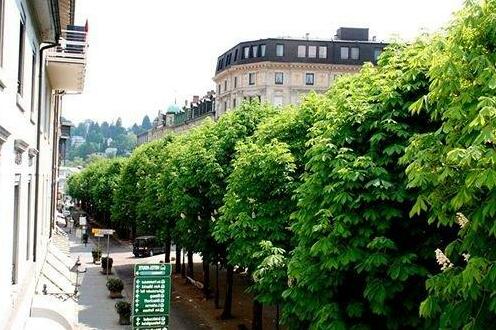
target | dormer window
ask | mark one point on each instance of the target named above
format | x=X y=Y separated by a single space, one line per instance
x=302 y=50
x=312 y=51
x=345 y=53
x=246 y=52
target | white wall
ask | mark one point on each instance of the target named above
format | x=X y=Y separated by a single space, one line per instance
x=16 y=116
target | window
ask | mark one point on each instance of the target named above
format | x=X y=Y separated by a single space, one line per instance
x=345 y=53
x=254 y=51
x=278 y=100
x=302 y=50
x=246 y=52
x=2 y=20
x=251 y=78
x=225 y=106
x=20 y=68
x=322 y=52
x=218 y=89
x=312 y=51
x=309 y=78
x=279 y=50
x=225 y=85
x=279 y=78
x=28 y=227
x=262 y=50
x=236 y=82
x=377 y=53
x=15 y=231
x=235 y=55
x=228 y=60
x=234 y=103
x=355 y=53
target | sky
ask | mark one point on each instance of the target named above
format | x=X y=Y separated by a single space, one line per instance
x=145 y=55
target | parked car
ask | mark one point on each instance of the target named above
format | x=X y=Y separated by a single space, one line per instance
x=147 y=246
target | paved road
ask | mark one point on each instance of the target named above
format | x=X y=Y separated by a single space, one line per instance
x=180 y=317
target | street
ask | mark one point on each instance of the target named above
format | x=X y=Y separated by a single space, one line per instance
x=180 y=317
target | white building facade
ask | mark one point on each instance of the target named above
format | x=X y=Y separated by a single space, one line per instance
x=40 y=61
x=282 y=71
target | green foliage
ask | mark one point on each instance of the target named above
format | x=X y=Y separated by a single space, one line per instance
x=453 y=168
x=258 y=201
x=115 y=284
x=339 y=206
x=354 y=239
x=95 y=185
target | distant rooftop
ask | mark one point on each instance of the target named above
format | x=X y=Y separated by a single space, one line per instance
x=360 y=49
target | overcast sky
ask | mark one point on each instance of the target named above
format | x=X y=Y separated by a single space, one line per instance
x=145 y=54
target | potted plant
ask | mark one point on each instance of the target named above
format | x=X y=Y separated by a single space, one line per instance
x=97 y=254
x=107 y=262
x=115 y=286
x=124 y=310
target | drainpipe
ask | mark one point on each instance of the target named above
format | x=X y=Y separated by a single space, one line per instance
x=55 y=150
x=38 y=143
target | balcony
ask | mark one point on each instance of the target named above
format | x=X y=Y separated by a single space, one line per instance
x=66 y=63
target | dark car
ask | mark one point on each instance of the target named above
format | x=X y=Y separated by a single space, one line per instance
x=147 y=246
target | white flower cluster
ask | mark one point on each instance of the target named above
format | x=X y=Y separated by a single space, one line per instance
x=461 y=220
x=466 y=256
x=443 y=260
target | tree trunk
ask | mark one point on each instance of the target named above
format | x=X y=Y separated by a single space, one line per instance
x=183 y=268
x=178 y=259
x=277 y=316
x=133 y=230
x=256 y=323
x=226 y=314
x=206 y=279
x=190 y=264
x=216 y=296
x=167 y=250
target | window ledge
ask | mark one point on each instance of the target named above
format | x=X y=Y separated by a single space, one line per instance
x=20 y=102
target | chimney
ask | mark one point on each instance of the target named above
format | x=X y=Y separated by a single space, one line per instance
x=354 y=34
x=196 y=98
x=186 y=103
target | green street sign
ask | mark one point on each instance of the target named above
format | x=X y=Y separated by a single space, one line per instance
x=153 y=270
x=151 y=295
x=151 y=322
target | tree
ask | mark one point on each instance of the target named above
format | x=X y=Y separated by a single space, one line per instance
x=453 y=168
x=146 y=124
x=258 y=202
x=355 y=241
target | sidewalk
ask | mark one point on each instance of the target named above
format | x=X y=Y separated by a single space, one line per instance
x=96 y=310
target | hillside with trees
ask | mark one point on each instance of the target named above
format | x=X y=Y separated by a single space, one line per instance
x=92 y=138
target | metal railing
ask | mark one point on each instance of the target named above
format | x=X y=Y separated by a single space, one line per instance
x=73 y=45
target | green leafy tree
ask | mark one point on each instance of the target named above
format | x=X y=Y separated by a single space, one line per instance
x=355 y=241
x=453 y=168
x=258 y=202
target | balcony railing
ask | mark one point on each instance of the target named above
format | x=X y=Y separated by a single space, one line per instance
x=73 y=46
x=66 y=63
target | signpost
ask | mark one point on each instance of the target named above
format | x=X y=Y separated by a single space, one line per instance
x=151 y=296
x=98 y=232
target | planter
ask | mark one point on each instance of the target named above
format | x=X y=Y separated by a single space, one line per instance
x=124 y=319
x=123 y=308
x=115 y=294
x=106 y=261
x=97 y=255
x=115 y=286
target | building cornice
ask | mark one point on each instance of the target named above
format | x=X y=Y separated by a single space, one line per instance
x=20 y=146
x=4 y=135
x=287 y=66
